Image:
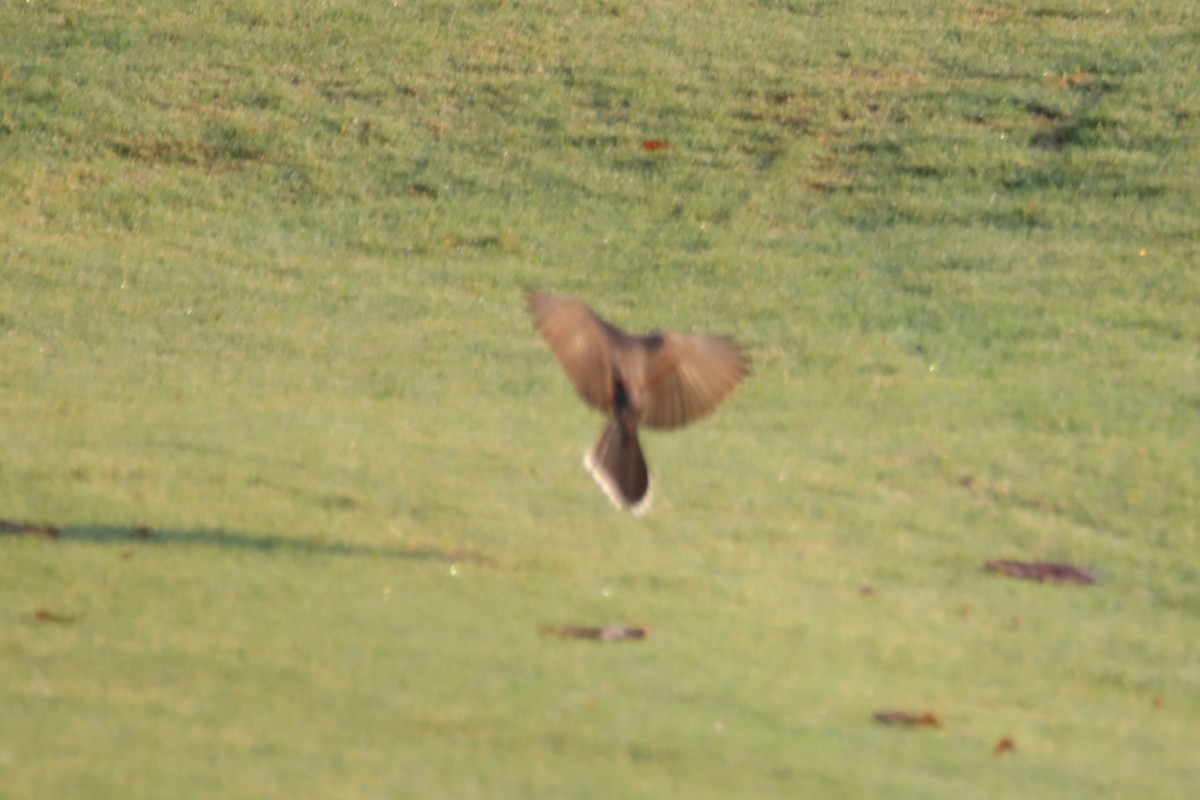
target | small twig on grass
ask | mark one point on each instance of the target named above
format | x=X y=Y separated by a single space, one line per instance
x=608 y=633
x=28 y=529
x=908 y=718
x=1045 y=571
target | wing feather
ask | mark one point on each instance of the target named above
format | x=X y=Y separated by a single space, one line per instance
x=580 y=341
x=689 y=375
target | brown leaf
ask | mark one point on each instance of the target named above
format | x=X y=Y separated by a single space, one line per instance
x=46 y=615
x=867 y=591
x=609 y=633
x=1005 y=745
x=1042 y=571
x=28 y=529
x=908 y=718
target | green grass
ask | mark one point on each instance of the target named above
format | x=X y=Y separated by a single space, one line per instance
x=261 y=275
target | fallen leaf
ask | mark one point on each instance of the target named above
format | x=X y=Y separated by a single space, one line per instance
x=867 y=591
x=46 y=615
x=1045 y=571
x=655 y=144
x=608 y=633
x=1005 y=745
x=908 y=718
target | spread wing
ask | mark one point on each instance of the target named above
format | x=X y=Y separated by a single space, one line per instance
x=688 y=375
x=581 y=342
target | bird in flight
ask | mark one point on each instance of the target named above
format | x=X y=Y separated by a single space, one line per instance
x=663 y=380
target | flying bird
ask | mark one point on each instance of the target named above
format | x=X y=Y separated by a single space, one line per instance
x=663 y=380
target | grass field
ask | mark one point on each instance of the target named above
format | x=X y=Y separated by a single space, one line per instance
x=264 y=365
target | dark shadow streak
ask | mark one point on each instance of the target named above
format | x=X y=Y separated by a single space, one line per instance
x=154 y=537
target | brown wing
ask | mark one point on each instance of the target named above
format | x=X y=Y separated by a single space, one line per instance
x=580 y=341
x=688 y=375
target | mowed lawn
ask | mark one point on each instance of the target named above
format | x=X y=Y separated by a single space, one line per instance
x=290 y=489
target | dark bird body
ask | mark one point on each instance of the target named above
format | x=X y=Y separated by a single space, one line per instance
x=662 y=380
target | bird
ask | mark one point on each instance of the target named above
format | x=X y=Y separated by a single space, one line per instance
x=662 y=380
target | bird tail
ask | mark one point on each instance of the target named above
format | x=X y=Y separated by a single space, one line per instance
x=617 y=464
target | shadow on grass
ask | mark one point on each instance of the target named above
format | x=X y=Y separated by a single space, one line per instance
x=139 y=535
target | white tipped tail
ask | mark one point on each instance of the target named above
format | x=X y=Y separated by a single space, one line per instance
x=616 y=463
